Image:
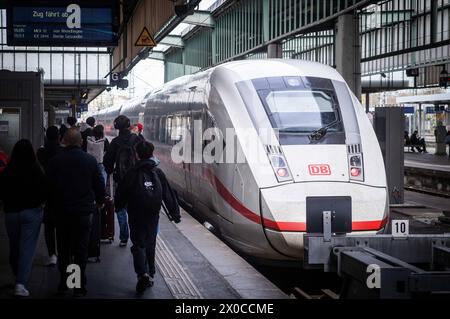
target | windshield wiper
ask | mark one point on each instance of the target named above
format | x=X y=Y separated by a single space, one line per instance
x=321 y=132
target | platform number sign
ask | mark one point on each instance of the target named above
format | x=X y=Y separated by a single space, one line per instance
x=400 y=227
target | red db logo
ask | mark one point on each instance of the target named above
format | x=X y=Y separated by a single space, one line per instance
x=319 y=169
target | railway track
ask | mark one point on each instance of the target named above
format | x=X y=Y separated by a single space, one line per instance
x=299 y=293
x=427 y=191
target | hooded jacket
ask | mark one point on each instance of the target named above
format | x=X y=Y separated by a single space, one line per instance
x=137 y=208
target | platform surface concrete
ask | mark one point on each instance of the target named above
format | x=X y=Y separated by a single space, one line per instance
x=191 y=264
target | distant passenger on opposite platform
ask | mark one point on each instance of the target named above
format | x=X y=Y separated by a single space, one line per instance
x=23 y=190
x=447 y=141
x=97 y=145
x=45 y=154
x=78 y=190
x=142 y=190
x=416 y=140
x=119 y=158
x=90 y=121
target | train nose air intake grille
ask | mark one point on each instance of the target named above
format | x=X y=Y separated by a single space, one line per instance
x=273 y=149
x=354 y=148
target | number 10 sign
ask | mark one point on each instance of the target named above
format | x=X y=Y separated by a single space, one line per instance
x=400 y=228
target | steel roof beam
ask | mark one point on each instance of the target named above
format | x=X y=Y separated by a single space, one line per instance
x=200 y=18
x=172 y=40
x=156 y=55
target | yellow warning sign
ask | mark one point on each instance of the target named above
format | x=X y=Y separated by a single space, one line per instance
x=145 y=39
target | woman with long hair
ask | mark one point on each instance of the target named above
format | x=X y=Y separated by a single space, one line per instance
x=23 y=190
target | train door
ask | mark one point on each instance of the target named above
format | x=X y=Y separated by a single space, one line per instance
x=9 y=128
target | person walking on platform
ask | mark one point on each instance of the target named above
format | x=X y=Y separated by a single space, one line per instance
x=415 y=140
x=140 y=128
x=23 y=189
x=90 y=121
x=78 y=190
x=44 y=154
x=97 y=145
x=71 y=121
x=143 y=190
x=119 y=158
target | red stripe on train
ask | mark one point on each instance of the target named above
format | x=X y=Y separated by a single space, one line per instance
x=279 y=226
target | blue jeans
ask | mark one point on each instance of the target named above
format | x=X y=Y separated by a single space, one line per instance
x=122 y=218
x=102 y=170
x=23 y=231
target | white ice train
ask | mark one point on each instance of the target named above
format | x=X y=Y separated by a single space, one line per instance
x=324 y=157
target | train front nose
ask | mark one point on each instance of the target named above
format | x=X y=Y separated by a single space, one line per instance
x=290 y=210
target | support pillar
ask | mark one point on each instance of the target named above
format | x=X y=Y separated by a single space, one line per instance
x=274 y=51
x=51 y=115
x=347 y=51
x=367 y=102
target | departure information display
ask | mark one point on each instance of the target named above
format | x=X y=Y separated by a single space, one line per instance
x=66 y=24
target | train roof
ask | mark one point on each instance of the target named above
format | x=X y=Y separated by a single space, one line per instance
x=253 y=69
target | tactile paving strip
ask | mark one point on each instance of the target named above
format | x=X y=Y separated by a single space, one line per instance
x=176 y=277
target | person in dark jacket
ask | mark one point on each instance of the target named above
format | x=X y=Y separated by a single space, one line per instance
x=23 y=190
x=45 y=154
x=143 y=210
x=415 y=140
x=77 y=191
x=90 y=121
x=111 y=161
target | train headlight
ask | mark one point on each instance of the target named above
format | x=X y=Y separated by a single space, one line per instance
x=356 y=167
x=280 y=167
x=282 y=172
x=354 y=172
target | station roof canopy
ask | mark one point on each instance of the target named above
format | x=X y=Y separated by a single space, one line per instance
x=72 y=65
x=442 y=98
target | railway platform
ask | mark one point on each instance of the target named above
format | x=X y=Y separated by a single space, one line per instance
x=428 y=173
x=191 y=264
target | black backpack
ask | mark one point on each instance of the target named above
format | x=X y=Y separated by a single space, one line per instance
x=125 y=157
x=149 y=191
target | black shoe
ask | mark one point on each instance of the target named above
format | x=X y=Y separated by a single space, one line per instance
x=143 y=283
x=79 y=292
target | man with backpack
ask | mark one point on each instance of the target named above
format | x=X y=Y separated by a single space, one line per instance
x=143 y=190
x=118 y=159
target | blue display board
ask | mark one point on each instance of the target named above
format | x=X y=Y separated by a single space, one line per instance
x=62 y=23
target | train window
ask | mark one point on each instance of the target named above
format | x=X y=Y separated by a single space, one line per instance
x=162 y=130
x=156 y=129
x=168 y=130
x=301 y=111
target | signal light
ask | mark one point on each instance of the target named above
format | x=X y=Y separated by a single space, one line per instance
x=282 y=172
x=354 y=171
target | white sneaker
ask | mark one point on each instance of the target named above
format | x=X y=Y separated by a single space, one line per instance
x=21 y=291
x=52 y=260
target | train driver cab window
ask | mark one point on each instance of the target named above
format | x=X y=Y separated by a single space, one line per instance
x=301 y=111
